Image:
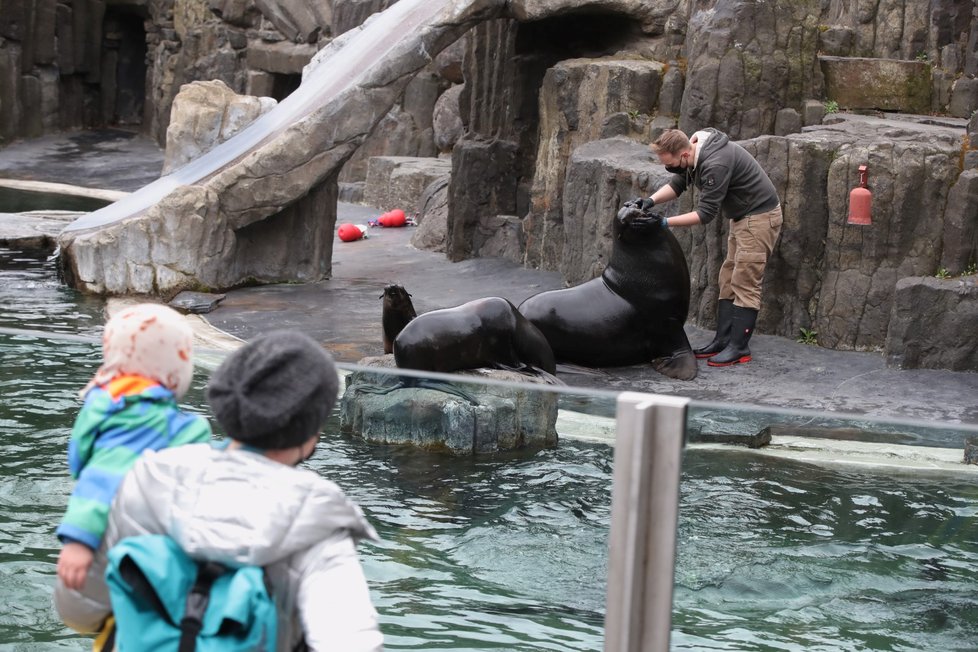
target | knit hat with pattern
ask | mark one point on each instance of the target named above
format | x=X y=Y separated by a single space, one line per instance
x=149 y=340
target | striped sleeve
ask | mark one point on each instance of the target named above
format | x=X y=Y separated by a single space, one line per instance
x=121 y=439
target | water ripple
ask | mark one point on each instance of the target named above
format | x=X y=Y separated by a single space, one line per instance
x=510 y=552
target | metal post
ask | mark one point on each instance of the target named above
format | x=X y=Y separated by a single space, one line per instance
x=644 y=515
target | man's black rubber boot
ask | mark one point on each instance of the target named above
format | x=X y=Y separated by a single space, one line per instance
x=719 y=343
x=741 y=328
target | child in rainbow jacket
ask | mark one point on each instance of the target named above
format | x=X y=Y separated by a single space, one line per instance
x=130 y=406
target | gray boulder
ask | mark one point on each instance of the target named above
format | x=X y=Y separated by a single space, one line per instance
x=432 y=217
x=860 y=83
x=206 y=114
x=446 y=120
x=399 y=181
x=504 y=418
x=932 y=325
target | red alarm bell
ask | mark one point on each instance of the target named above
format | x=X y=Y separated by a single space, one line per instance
x=860 y=201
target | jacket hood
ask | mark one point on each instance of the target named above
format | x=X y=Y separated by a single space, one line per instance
x=712 y=140
x=236 y=506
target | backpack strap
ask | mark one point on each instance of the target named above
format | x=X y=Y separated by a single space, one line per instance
x=197 y=599
x=105 y=641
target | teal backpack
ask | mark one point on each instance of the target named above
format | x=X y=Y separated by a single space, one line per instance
x=164 y=600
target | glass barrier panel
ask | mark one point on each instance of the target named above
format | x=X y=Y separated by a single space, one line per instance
x=838 y=532
x=478 y=550
x=807 y=530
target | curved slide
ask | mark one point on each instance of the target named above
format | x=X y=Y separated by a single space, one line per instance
x=197 y=227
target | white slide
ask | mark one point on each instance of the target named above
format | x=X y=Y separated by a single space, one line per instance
x=373 y=51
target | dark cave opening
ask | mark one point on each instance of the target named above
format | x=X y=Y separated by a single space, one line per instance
x=283 y=85
x=123 y=66
x=582 y=34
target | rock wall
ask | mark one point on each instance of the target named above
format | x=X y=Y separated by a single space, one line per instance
x=517 y=97
x=912 y=168
x=562 y=74
x=78 y=60
x=85 y=64
x=50 y=53
x=578 y=99
x=753 y=70
x=838 y=279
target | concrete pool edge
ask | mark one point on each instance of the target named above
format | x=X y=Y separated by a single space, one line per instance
x=65 y=189
x=831 y=453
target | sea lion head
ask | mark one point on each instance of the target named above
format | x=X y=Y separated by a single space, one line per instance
x=632 y=218
x=396 y=295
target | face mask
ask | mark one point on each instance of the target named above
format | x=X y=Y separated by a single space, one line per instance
x=303 y=460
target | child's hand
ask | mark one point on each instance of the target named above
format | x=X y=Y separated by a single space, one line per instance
x=73 y=564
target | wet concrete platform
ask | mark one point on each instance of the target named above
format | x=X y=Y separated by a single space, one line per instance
x=108 y=159
x=344 y=312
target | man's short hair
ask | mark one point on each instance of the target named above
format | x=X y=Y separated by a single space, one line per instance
x=672 y=141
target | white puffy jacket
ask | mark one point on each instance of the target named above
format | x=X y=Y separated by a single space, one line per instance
x=239 y=506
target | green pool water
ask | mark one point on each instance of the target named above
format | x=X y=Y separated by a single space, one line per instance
x=510 y=552
x=16 y=200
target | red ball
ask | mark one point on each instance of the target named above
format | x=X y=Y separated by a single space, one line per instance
x=393 y=218
x=349 y=232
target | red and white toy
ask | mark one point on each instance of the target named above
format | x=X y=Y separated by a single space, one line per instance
x=351 y=232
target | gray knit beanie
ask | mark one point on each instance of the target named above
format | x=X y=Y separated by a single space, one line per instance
x=274 y=392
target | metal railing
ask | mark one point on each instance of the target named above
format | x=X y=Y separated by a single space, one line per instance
x=644 y=517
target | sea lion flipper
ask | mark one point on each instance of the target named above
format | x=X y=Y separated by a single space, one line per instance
x=547 y=376
x=531 y=370
x=443 y=386
x=567 y=368
x=681 y=366
x=420 y=383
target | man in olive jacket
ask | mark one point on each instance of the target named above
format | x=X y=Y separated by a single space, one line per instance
x=733 y=185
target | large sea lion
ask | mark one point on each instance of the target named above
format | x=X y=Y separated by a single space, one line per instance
x=397 y=312
x=488 y=332
x=633 y=313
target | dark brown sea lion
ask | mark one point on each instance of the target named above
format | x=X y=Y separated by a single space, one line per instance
x=633 y=313
x=488 y=332
x=398 y=311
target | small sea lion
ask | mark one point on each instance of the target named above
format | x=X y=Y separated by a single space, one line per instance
x=397 y=312
x=488 y=332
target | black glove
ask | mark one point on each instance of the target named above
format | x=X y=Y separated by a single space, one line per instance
x=658 y=218
x=645 y=203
